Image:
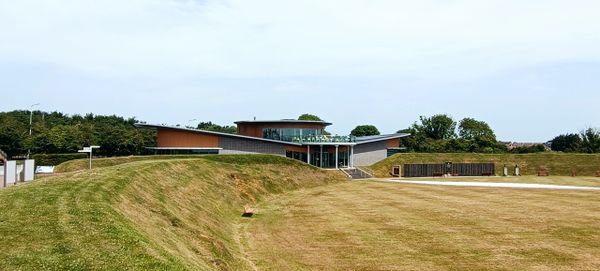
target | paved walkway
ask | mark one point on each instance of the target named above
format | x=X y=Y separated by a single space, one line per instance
x=501 y=185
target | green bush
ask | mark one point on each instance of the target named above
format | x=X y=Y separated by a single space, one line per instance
x=56 y=159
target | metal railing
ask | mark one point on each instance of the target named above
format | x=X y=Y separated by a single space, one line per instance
x=319 y=139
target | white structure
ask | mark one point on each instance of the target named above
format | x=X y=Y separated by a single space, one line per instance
x=10 y=173
x=29 y=170
x=44 y=169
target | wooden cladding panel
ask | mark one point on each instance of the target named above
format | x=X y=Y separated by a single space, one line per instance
x=174 y=138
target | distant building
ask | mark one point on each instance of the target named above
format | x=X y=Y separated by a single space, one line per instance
x=298 y=139
x=512 y=145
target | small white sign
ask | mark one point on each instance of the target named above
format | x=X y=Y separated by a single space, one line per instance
x=44 y=169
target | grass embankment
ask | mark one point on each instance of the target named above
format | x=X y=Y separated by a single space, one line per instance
x=560 y=164
x=83 y=164
x=176 y=214
x=390 y=226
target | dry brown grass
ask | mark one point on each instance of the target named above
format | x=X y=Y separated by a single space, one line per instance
x=559 y=180
x=388 y=226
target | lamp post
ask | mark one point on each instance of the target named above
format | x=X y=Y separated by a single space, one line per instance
x=30 y=122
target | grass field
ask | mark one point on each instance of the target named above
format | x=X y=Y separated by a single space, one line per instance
x=176 y=214
x=559 y=164
x=559 y=180
x=388 y=226
x=183 y=213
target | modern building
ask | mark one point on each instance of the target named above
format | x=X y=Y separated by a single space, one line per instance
x=298 y=139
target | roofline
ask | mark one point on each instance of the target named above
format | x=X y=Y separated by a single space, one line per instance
x=183 y=148
x=382 y=138
x=285 y=121
x=157 y=126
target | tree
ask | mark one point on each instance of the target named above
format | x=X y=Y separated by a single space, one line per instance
x=309 y=117
x=437 y=127
x=13 y=132
x=471 y=129
x=209 y=126
x=590 y=140
x=55 y=132
x=365 y=130
x=566 y=143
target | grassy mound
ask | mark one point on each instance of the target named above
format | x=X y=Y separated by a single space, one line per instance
x=83 y=164
x=560 y=164
x=175 y=214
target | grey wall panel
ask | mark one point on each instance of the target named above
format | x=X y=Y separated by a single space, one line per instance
x=370 y=153
x=248 y=146
x=28 y=173
x=10 y=173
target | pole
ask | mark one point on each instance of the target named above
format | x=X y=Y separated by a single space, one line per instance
x=91 y=158
x=321 y=157
x=351 y=156
x=30 y=122
x=337 y=151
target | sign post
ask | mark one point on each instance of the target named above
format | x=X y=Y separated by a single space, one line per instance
x=89 y=150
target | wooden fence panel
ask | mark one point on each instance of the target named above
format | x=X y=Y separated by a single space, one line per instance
x=464 y=169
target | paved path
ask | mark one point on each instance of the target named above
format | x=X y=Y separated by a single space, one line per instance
x=501 y=185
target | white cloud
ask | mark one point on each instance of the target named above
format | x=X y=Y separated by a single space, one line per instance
x=440 y=39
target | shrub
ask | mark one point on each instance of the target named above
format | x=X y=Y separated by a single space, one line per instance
x=56 y=159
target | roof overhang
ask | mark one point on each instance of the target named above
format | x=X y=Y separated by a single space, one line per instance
x=156 y=126
x=181 y=148
x=371 y=139
x=287 y=121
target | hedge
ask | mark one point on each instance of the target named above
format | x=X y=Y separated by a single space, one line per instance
x=56 y=159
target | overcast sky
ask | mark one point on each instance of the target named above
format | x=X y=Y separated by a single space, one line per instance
x=531 y=69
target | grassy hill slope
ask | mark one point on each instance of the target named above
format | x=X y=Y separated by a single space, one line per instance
x=83 y=164
x=175 y=214
x=558 y=163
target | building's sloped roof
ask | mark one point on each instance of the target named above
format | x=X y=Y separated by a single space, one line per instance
x=156 y=126
x=370 y=139
x=285 y=121
x=359 y=140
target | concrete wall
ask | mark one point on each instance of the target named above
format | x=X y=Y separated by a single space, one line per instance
x=370 y=153
x=29 y=170
x=248 y=146
x=10 y=173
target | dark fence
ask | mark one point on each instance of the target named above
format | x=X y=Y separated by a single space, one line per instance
x=432 y=170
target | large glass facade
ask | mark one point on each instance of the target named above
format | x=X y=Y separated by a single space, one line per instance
x=303 y=135
x=290 y=134
x=327 y=159
x=318 y=159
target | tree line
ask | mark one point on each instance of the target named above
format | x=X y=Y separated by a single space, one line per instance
x=55 y=132
x=586 y=141
x=441 y=133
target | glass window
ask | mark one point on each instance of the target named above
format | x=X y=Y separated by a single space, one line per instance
x=289 y=134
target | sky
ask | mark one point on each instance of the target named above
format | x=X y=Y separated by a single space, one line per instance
x=531 y=69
